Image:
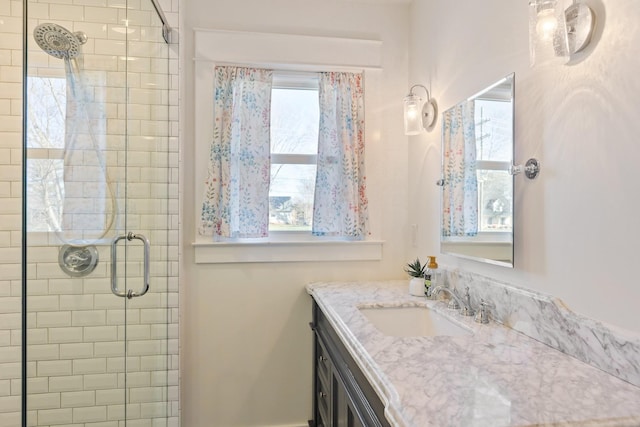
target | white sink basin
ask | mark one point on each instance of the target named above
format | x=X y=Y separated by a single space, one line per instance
x=412 y=322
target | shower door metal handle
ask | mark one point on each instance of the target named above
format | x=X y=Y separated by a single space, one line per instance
x=114 y=265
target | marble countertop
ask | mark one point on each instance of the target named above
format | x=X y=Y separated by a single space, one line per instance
x=493 y=377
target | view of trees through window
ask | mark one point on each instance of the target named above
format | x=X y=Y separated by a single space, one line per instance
x=45 y=144
x=494 y=153
x=294 y=145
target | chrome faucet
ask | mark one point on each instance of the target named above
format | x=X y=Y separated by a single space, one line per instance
x=483 y=315
x=457 y=302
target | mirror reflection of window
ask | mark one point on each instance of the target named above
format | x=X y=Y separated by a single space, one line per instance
x=490 y=188
x=494 y=130
x=494 y=150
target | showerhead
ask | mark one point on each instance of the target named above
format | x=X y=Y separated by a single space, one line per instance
x=59 y=42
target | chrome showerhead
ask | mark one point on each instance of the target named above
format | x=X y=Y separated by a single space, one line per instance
x=59 y=42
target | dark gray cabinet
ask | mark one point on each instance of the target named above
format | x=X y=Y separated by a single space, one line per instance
x=343 y=397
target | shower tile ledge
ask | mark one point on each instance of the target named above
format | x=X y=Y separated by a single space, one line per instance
x=495 y=377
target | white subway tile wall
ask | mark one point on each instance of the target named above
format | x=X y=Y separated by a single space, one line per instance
x=81 y=355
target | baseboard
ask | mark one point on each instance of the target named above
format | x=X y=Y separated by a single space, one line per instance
x=289 y=425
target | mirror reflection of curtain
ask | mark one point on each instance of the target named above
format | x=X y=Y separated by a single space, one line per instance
x=236 y=202
x=460 y=192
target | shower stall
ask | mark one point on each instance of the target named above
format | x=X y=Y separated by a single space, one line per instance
x=88 y=214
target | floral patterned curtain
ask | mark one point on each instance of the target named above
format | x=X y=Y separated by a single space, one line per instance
x=340 y=205
x=460 y=193
x=236 y=200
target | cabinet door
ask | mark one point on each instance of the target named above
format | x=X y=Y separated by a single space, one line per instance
x=339 y=402
x=353 y=419
x=343 y=397
x=344 y=410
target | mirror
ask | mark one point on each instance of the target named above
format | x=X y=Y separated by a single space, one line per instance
x=477 y=188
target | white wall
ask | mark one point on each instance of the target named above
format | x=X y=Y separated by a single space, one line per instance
x=576 y=225
x=245 y=337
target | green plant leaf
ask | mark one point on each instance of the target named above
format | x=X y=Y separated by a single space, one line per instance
x=415 y=268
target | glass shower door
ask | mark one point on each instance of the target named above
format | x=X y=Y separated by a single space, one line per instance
x=98 y=216
x=144 y=237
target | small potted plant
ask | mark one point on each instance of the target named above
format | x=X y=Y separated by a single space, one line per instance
x=415 y=269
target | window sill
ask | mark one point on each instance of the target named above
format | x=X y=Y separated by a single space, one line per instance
x=287 y=251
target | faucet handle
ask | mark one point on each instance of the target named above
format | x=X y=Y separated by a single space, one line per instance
x=453 y=302
x=483 y=314
x=467 y=310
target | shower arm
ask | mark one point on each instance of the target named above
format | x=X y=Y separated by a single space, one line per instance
x=166 y=28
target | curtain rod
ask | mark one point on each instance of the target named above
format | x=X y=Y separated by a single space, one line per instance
x=289 y=67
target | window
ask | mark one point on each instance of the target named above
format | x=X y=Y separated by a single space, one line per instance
x=286 y=52
x=67 y=136
x=240 y=200
x=494 y=153
x=295 y=119
x=45 y=144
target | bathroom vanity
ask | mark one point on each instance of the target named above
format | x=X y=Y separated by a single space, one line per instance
x=461 y=374
x=343 y=396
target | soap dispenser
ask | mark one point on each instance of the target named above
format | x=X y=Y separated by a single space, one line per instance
x=430 y=276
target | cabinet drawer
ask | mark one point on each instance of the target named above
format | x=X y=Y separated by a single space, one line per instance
x=323 y=364
x=323 y=399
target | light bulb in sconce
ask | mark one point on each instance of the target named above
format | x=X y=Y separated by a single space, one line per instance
x=419 y=115
x=547 y=25
x=556 y=33
x=412 y=111
x=547 y=33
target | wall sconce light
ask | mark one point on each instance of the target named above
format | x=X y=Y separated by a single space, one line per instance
x=419 y=115
x=556 y=33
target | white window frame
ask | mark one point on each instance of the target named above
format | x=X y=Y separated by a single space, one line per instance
x=283 y=52
x=299 y=81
